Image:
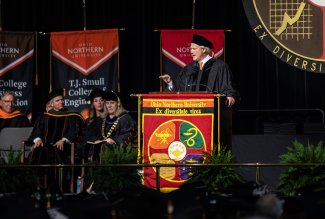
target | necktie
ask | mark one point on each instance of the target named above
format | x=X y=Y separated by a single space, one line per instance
x=201 y=66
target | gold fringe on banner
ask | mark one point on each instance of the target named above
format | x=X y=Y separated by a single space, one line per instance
x=161 y=69
x=36 y=60
x=118 y=65
x=50 y=65
x=118 y=60
x=140 y=155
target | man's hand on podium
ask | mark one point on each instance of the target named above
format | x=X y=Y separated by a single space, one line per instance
x=230 y=101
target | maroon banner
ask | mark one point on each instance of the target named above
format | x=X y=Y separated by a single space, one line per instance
x=176 y=52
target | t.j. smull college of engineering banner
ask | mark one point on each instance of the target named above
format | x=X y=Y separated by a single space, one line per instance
x=176 y=52
x=83 y=60
x=17 y=67
x=177 y=129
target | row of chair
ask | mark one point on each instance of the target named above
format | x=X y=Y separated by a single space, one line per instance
x=14 y=139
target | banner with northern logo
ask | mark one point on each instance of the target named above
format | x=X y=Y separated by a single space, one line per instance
x=177 y=129
x=83 y=60
x=176 y=51
x=293 y=30
x=17 y=64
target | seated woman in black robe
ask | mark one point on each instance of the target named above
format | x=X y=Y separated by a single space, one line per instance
x=96 y=107
x=117 y=128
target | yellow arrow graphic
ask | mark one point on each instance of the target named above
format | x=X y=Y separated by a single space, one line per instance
x=287 y=20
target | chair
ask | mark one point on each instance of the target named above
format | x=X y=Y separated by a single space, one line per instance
x=27 y=147
x=12 y=138
x=72 y=180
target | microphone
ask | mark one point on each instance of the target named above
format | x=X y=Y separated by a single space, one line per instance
x=204 y=85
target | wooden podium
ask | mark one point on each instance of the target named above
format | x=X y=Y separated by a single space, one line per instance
x=178 y=128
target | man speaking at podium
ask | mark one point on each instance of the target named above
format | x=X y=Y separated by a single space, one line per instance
x=205 y=73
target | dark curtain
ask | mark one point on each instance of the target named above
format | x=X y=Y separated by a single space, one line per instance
x=263 y=81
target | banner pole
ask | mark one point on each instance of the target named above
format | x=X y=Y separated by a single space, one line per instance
x=0 y=16
x=161 y=68
x=219 y=145
x=139 y=128
x=193 y=14
x=84 y=14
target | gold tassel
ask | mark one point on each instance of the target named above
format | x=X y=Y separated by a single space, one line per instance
x=48 y=202
x=36 y=59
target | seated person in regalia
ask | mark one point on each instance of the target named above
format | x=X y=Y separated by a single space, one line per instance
x=54 y=132
x=10 y=116
x=117 y=128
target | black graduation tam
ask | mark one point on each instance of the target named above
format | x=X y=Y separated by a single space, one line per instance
x=55 y=93
x=112 y=95
x=201 y=41
x=95 y=93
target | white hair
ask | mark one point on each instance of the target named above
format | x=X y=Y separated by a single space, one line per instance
x=8 y=93
x=207 y=49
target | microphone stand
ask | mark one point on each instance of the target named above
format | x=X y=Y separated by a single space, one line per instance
x=191 y=75
x=188 y=79
x=207 y=87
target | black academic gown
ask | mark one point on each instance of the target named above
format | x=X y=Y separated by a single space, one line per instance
x=215 y=77
x=121 y=134
x=51 y=127
x=15 y=119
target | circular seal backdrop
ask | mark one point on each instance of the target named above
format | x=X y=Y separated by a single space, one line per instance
x=293 y=30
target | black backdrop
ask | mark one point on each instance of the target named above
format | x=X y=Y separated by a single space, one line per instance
x=263 y=81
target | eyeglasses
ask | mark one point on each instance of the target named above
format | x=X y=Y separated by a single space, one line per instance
x=8 y=101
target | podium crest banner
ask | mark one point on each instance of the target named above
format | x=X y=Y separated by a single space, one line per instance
x=177 y=129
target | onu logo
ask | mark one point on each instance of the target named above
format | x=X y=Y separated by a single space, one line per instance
x=293 y=30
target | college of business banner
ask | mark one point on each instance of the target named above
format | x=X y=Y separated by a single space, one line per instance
x=177 y=129
x=83 y=60
x=17 y=67
x=176 y=52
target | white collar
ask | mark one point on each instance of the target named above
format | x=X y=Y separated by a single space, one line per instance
x=207 y=58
